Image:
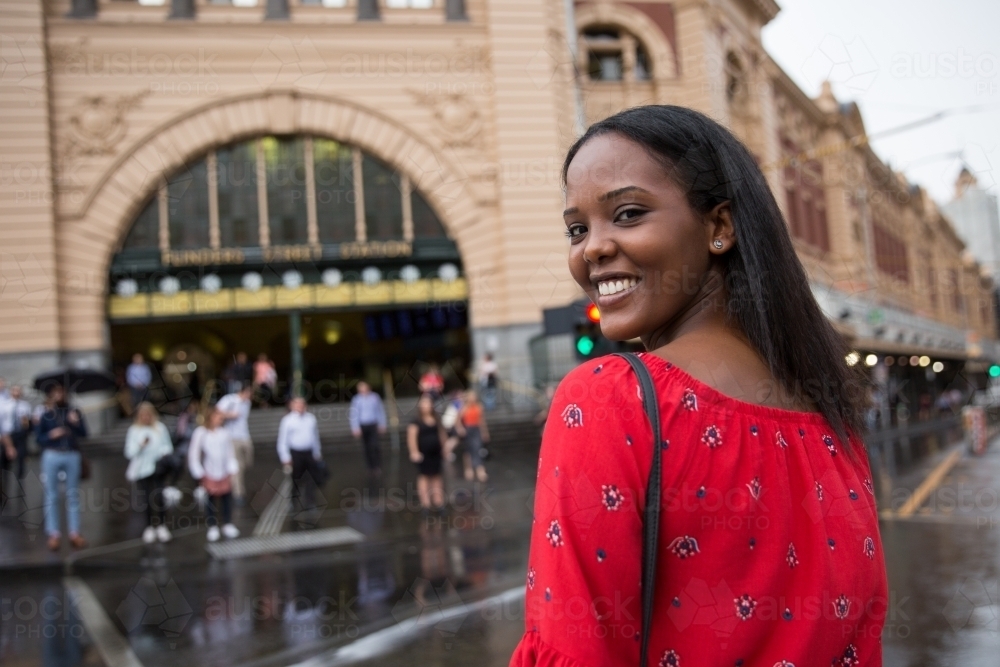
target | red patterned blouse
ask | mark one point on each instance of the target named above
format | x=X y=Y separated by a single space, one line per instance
x=769 y=545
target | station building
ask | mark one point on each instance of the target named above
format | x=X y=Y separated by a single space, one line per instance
x=355 y=186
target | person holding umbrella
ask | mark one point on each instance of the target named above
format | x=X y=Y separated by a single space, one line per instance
x=58 y=433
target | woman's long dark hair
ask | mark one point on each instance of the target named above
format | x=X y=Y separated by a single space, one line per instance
x=769 y=296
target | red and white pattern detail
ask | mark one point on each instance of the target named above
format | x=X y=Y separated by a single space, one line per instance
x=554 y=534
x=573 y=416
x=870 y=548
x=712 y=437
x=684 y=547
x=689 y=400
x=791 y=558
x=670 y=659
x=744 y=607
x=611 y=497
x=754 y=486
x=780 y=440
x=841 y=607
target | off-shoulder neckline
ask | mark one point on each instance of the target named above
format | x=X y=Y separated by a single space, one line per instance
x=713 y=395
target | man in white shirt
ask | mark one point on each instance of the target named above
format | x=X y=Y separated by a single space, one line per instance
x=235 y=408
x=15 y=424
x=299 y=448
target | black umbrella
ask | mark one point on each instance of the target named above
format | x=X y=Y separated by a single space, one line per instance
x=77 y=380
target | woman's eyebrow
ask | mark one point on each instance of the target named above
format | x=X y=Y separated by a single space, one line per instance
x=621 y=191
x=611 y=195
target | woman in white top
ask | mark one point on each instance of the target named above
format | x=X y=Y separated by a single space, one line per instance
x=146 y=442
x=212 y=461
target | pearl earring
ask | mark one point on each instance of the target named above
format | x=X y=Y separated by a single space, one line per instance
x=718 y=244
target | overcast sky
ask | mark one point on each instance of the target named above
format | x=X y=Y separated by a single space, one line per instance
x=902 y=60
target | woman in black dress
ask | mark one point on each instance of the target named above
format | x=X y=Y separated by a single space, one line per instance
x=425 y=439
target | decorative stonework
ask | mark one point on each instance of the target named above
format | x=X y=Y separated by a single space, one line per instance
x=458 y=121
x=98 y=124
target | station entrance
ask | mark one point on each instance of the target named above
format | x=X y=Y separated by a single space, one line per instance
x=310 y=252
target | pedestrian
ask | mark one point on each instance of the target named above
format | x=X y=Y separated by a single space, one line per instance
x=368 y=421
x=138 y=377
x=4 y=392
x=768 y=493
x=59 y=431
x=235 y=408
x=212 y=461
x=147 y=443
x=265 y=380
x=18 y=426
x=238 y=374
x=425 y=441
x=432 y=382
x=453 y=429
x=489 y=381
x=299 y=451
x=476 y=433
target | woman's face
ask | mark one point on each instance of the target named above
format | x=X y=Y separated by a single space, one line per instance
x=425 y=405
x=146 y=417
x=637 y=248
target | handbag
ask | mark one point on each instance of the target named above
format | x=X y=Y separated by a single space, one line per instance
x=217 y=487
x=651 y=514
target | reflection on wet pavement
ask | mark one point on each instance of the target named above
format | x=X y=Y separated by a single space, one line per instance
x=441 y=590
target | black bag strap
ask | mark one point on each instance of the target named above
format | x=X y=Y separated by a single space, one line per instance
x=651 y=515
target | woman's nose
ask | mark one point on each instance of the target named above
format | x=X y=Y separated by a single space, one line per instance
x=598 y=246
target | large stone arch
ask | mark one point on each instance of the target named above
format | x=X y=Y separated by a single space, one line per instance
x=637 y=23
x=88 y=240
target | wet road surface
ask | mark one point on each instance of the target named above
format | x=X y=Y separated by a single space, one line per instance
x=443 y=591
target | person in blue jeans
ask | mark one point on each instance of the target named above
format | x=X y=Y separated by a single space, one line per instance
x=58 y=433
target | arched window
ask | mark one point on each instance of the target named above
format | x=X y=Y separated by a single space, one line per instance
x=614 y=54
x=283 y=191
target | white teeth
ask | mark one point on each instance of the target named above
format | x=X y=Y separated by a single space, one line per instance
x=614 y=286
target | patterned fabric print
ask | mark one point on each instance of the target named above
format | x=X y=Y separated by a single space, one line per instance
x=848 y=659
x=745 y=606
x=689 y=400
x=554 y=534
x=792 y=559
x=841 y=607
x=868 y=486
x=670 y=659
x=712 y=437
x=828 y=441
x=611 y=497
x=587 y=543
x=684 y=547
x=573 y=416
x=870 y=548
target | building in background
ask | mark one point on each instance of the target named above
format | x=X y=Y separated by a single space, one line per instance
x=354 y=186
x=974 y=213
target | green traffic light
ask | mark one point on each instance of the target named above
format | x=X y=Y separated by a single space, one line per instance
x=584 y=345
x=994 y=371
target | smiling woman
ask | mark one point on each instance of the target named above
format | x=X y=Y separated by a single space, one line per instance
x=767 y=551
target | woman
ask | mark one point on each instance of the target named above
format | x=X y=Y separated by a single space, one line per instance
x=58 y=433
x=476 y=433
x=769 y=550
x=146 y=443
x=265 y=379
x=212 y=461
x=425 y=440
